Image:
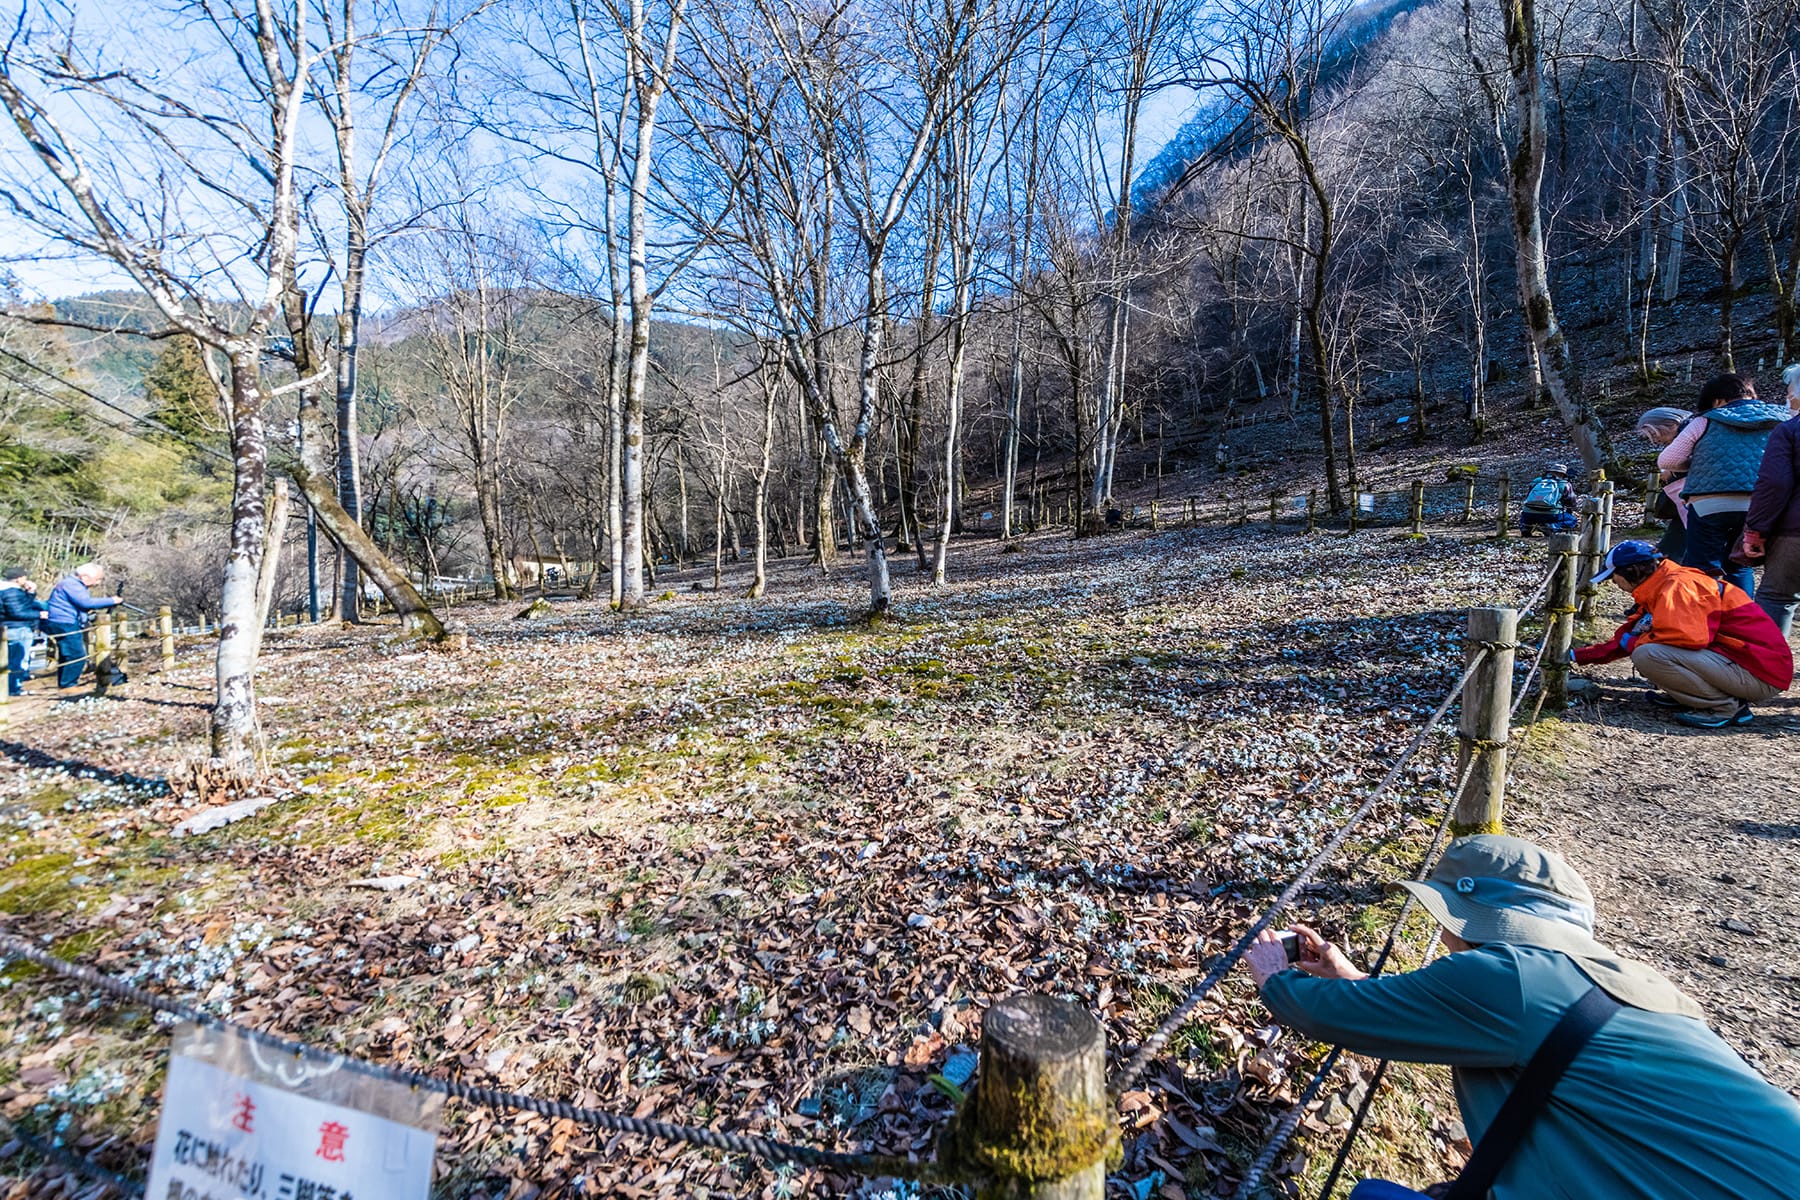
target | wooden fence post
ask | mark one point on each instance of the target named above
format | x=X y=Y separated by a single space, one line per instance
x=1469 y=499
x=1505 y=501
x=1652 y=486
x=1590 y=557
x=1418 y=508
x=165 y=628
x=1274 y=512
x=1355 y=507
x=1039 y=1125
x=1155 y=515
x=1561 y=612
x=1486 y=718
x=1607 y=491
x=1312 y=511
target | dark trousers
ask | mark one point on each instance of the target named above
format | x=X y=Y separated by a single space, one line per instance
x=1779 y=594
x=71 y=652
x=1709 y=540
x=1674 y=540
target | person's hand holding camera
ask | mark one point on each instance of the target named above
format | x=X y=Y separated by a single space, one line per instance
x=1272 y=952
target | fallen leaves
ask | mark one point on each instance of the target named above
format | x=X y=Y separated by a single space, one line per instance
x=748 y=866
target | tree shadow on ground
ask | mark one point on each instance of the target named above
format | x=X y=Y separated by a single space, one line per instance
x=30 y=756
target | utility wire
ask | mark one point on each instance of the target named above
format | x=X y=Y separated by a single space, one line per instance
x=101 y=400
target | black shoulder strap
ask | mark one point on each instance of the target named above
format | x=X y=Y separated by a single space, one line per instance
x=1528 y=1097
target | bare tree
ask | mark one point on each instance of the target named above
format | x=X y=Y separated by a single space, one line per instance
x=225 y=146
x=372 y=74
x=1525 y=164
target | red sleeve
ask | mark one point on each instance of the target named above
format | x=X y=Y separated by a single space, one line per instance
x=1609 y=650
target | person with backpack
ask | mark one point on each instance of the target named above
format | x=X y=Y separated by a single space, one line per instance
x=1549 y=502
x=1580 y=1073
x=1721 y=450
x=71 y=606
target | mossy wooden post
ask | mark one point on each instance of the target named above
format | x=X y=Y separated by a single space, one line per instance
x=165 y=629
x=1418 y=508
x=1486 y=715
x=1469 y=499
x=1274 y=511
x=1312 y=511
x=1590 y=556
x=1652 y=485
x=1355 y=507
x=1561 y=612
x=1502 y=529
x=1039 y=1126
x=1155 y=515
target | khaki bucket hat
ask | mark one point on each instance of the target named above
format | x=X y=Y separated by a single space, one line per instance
x=1495 y=888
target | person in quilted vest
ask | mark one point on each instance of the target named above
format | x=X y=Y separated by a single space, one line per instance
x=1721 y=450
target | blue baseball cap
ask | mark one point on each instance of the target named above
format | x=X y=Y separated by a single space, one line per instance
x=1626 y=554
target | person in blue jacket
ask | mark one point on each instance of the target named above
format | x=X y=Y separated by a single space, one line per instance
x=20 y=612
x=70 y=608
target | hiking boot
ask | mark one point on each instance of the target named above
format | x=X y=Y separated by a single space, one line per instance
x=1664 y=700
x=1715 y=720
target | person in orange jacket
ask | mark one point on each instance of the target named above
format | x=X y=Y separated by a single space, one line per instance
x=1707 y=647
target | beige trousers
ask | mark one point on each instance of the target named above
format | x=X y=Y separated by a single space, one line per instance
x=1701 y=679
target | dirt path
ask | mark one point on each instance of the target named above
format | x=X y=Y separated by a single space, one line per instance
x=1691 y=842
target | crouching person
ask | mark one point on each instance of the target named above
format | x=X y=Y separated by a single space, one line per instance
x=1708 y=648
x=1579 y=1073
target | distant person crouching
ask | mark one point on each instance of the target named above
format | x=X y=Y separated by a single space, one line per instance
x=20 y=612
x=1549 y=503
x=1650 y=1104
x=1710 y=651
x=71 y=606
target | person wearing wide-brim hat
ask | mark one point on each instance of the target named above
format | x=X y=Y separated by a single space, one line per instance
x=1654 y=1105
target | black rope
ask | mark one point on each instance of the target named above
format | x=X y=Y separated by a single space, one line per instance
x=1284 y=1130
x=72 y=1161
x=1152 y=1045
x=736 y=1143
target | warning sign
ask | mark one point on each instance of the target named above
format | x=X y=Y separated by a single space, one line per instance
x=243 y=1121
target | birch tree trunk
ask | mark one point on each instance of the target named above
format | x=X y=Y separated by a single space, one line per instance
x=271 y=561
x=1525 y=180
x=236 y=736
x=759 y=580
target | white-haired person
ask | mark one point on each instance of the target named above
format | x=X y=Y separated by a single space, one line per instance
x=69 y=607
x=1580 y=1073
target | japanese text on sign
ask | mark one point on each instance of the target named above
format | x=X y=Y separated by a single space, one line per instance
x=240 y=1122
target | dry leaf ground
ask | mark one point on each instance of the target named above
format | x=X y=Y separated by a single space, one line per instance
x=762 y=866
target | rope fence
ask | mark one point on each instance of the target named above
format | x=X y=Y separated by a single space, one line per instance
x=1486 y=676
x=766 y=1149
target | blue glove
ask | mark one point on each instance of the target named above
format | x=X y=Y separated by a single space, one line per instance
x=1625 y=642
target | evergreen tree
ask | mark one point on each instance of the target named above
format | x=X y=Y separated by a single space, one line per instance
x=181 y=394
